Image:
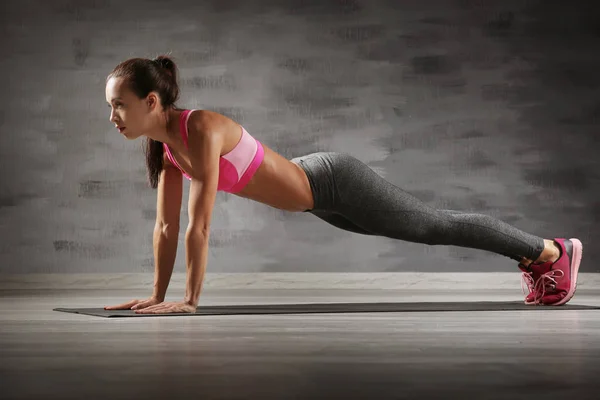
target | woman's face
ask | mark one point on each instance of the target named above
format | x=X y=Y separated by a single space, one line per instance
x=127 y=110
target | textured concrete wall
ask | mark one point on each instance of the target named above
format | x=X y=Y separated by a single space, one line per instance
x=492 y=108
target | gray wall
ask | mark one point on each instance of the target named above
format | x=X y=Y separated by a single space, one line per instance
x=492 y=108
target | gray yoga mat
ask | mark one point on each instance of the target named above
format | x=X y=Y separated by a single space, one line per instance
x=316 y=308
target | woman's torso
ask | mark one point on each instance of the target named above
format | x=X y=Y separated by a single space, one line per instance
x=277 y=182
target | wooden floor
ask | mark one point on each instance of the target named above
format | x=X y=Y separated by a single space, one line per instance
x=545 y=354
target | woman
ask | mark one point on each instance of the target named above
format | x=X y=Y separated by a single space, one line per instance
x=215 y=153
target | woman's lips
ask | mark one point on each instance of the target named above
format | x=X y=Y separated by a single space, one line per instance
x=121 y=129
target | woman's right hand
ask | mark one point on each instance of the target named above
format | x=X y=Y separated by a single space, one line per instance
x=135 y=304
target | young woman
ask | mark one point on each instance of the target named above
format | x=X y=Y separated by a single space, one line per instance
x=215 y=153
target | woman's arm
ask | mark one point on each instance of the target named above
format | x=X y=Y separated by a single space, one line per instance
x=196 y=244
x=205 y=150
x=166 y=229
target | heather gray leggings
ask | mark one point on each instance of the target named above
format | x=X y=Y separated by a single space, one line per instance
x=351 y=196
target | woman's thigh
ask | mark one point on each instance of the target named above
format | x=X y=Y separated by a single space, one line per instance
x=339 y=221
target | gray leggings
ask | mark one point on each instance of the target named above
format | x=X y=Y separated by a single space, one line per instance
x=351 y=196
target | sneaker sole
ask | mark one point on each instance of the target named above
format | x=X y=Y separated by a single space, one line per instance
x=575 y=261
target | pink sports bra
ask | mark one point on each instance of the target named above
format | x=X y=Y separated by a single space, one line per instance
x=237 y=167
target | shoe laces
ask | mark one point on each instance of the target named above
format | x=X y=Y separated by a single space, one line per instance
x=545 y=283
x=527 y=279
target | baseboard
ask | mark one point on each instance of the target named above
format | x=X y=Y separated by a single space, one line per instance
x=281 y=280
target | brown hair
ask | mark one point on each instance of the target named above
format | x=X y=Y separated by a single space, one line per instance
x=143 y=76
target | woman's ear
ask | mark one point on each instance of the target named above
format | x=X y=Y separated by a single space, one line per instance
x=152 y=100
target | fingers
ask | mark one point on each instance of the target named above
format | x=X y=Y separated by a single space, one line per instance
x=143 y=304
x=135 y=304
x=123 y=306
x=156 y=309
x=171 y=307
x=153 y=308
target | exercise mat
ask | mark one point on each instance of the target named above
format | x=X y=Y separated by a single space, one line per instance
x=317 y=308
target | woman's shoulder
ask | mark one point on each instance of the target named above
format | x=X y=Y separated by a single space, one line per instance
x=208 y=121
x=206 y=117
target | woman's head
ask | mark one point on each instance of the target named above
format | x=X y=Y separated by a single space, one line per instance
x=139 y=88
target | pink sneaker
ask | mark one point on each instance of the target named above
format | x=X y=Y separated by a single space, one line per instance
x=555 y=283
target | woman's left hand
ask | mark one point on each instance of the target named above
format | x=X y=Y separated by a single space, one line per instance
x=166 y=308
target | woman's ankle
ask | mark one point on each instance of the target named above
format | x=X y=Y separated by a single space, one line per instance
x=551 y=252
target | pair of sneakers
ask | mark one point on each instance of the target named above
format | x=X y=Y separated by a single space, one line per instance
x=553 y=283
